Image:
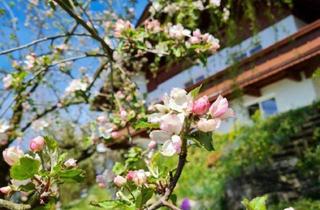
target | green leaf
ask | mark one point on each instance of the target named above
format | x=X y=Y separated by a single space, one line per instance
x=143 y=197
x=173 y=198
x=72 y=175
x=203 y=139
x=143 y=125
x=258 y=203
x=113 y=204
x=118 y=168
x=51 y=143
x=27 y=188
x=195 y=92
x=25 y=168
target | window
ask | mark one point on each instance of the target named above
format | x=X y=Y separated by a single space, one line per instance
x=256 y=49
x=188 y=84
x=269 y=107
x=252 y=109
x=200 y=78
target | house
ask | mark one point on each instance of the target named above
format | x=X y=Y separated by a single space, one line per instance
x=270 y=71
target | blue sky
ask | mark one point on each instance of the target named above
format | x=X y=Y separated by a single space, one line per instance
x=25 y=35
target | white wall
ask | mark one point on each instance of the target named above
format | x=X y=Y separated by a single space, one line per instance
x=221 y=59
x=288 y=94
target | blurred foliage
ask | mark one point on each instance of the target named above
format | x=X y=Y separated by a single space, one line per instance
x=242 y=149
x=94 y=193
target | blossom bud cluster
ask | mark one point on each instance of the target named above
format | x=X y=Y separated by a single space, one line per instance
x=180 y=107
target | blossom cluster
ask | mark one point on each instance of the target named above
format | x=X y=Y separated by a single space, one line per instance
x=180 y=109
x=32 y=175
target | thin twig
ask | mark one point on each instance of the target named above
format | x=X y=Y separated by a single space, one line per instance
x=39 y=41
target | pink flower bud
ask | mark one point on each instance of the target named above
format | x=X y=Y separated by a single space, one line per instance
x=219 y=107
x=102 y=119
x=152 y=144
x=131 y=175
x=70 y=163
x=100 y=179
x=115 y=134
x=140 y=177
x=208 y=125
x=123 y=114
x=119 y=181
x=37 y=144
x=12 y=154
x=201 y=106
x=5 y=190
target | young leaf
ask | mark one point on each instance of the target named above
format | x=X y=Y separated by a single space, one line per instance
x=51 y=143
x=203 y=139
x=25 y=168
x=113 y=204
x=258 y=203
x=143 y=197
x=145 y=125
x=195 y=92
x=72 y=175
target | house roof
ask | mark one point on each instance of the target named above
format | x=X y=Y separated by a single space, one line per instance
x=287 y=58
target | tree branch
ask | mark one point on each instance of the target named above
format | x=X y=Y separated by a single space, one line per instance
x=91 y=30
x=13 y=206
x=39 y=41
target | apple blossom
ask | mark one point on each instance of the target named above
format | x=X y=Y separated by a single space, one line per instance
x=178 y=32
x=178 y=100
x=172 y=123
x=152 y=25
x=100 y=179
x=172 y=146
x=115 y=134
x=5 y=190
x=208 y=125
x=201 y=105
x=139 y=177
x=4 y=126
x=152 y=144
x=37 y=144
x=123 y=114
x=119 y=181
x=70 y=163
x=289 y=208
x=102 y=119
x=12 y=154
x=120 y=26
x=39 y=125
x=30 y=61
x=7 y=81
x=215 y=3
x=76 y=85
x=219 y=107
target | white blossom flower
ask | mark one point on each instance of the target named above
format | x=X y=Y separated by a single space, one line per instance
x=215 y=3
x=178 y=31
x=76 y=85
x=39 y=125
x=225 y=14
x=4 y=126
x=172 y=146
x=30 y=61
x=70 y=163
x=179 y=100
x=7 y=81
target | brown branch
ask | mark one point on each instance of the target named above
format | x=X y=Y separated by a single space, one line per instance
x=170 y=205
x=49 y=38
x=91 y=30
x=13 y=206
x=163 y=201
